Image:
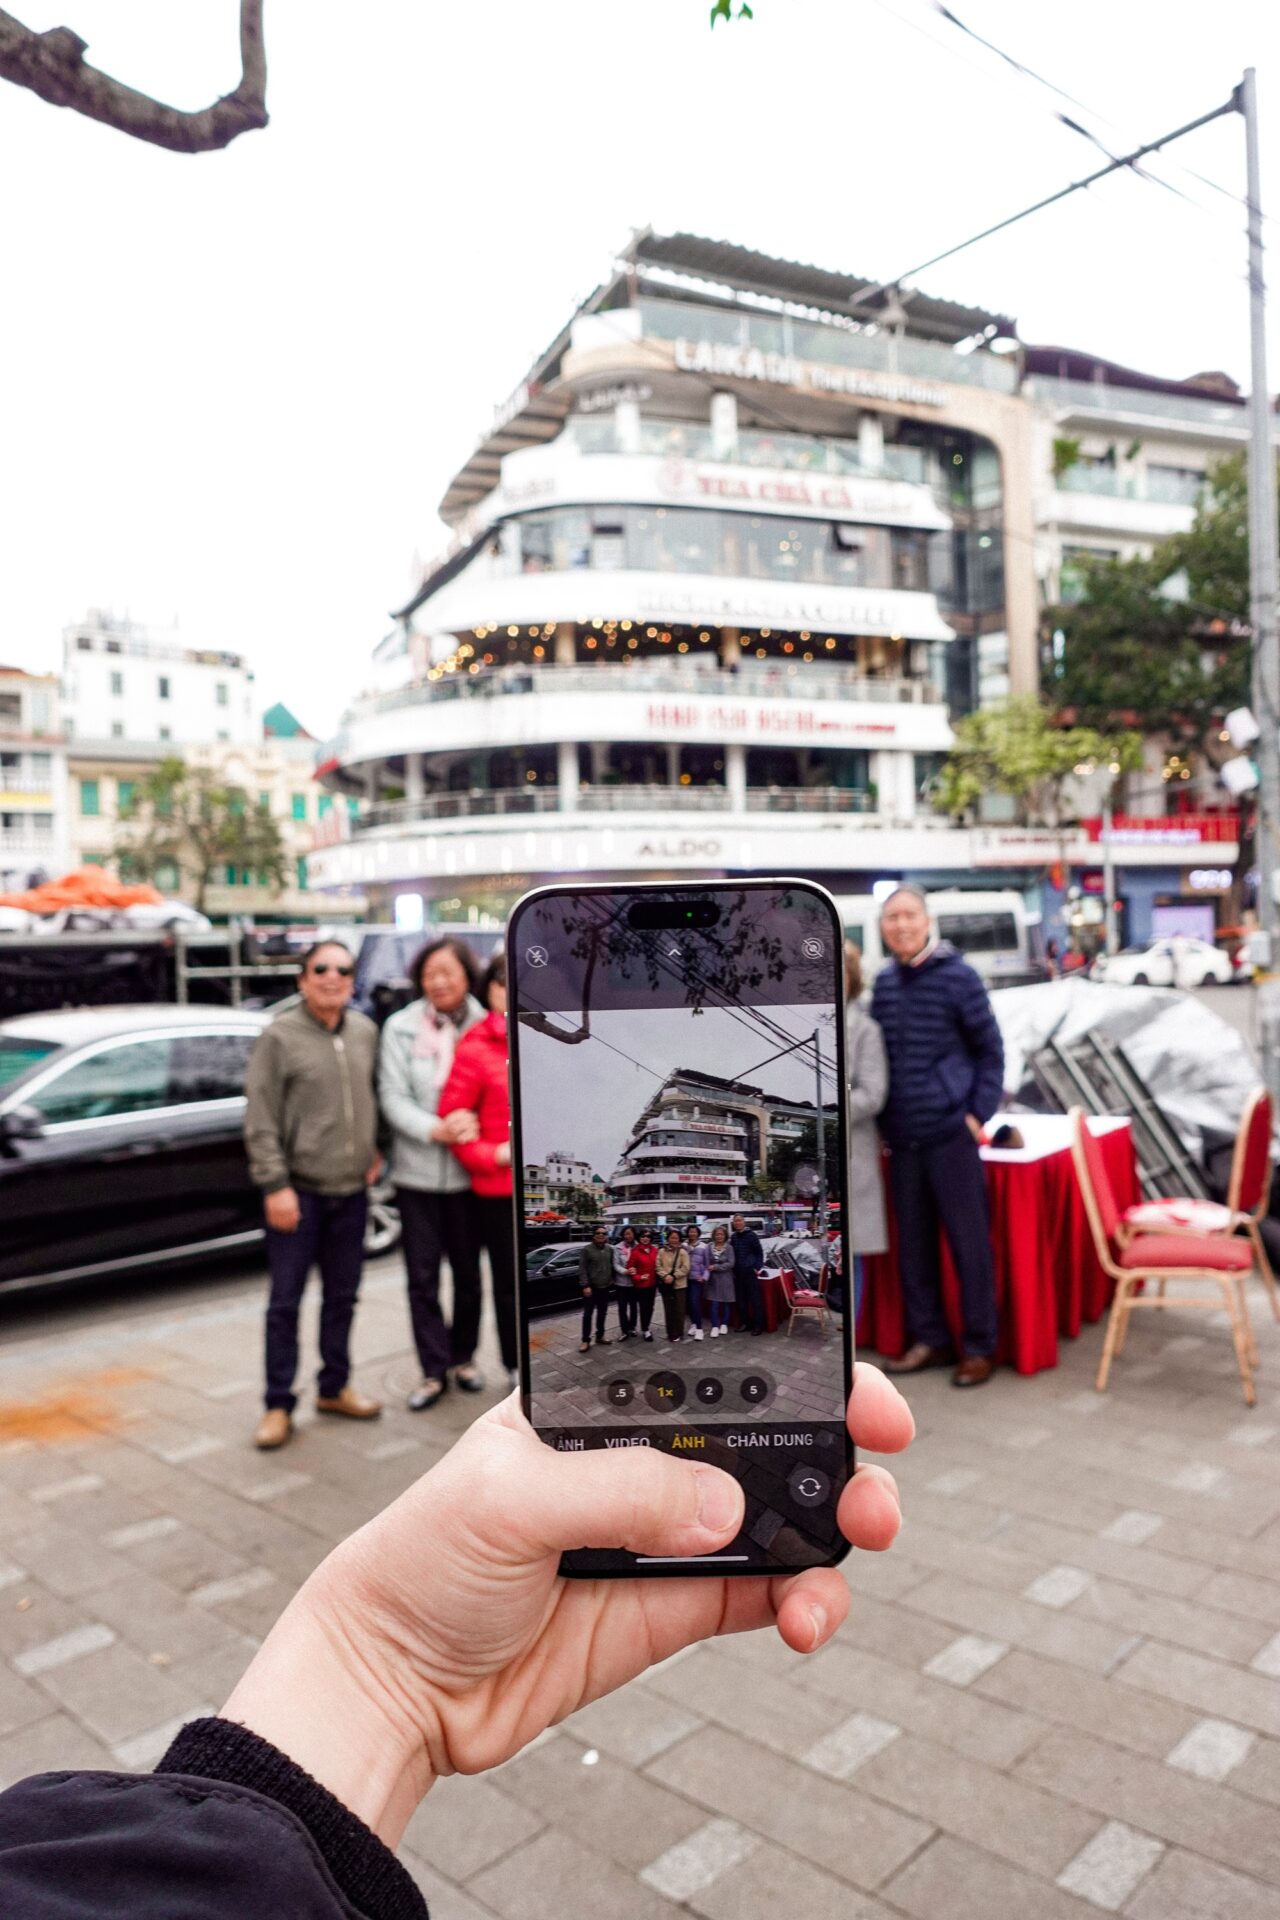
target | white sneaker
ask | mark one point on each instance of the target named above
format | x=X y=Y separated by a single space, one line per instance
x=697 y=1333
x=716 y=1332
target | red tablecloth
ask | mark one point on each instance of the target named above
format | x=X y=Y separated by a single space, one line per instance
x=1047 y=1275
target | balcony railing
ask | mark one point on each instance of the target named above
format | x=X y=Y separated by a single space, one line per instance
x=1090 y=396
x=756 y=679
x=483 y=804
x=791 y=452
x=1158 y=486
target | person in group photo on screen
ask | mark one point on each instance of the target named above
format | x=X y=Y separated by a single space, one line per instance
x=672 y=1272
x=440 y=1639
x=311 y=1132
x=595 y=1277
x=721 y=1290
x=437 y=1210
x=624 y=1286
x=477 y=1084
x=642 y=1264
x=748 y=1258
x=699 y=1268
x=946 y=1074
x=867 y=1067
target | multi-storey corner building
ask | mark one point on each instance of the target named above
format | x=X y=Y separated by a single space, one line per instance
x=33 y=779
x=731 y=557
x=127 y=683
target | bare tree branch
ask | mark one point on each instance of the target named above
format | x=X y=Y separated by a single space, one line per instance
x=53 y=66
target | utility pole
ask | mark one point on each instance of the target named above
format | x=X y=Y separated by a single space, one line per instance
x=1262 y=568
x=821 y=1135
x=1111 y=942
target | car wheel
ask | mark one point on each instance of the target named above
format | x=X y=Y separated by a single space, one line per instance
x=1141 y=980
x=382 y=1229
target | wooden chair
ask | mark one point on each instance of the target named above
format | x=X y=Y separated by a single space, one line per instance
x=1157 y=1259
x=1249 y=1189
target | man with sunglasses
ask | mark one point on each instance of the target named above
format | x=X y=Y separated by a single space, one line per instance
x=311 y=1124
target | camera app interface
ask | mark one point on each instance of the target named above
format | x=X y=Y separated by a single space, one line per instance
x=681 y=1163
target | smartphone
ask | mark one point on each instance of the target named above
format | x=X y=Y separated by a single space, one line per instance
x=678 y=1113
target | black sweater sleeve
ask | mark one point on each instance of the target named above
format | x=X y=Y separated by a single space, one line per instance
x=226 y=1827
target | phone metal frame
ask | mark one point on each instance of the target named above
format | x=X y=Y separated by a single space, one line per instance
x=639 y=889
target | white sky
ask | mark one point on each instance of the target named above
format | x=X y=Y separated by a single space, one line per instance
x=237 y=384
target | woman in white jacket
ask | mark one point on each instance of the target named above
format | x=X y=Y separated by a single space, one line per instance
x=437 y=1208
x=868 y=1070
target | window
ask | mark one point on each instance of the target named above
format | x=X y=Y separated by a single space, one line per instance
x=17 y=1055
x=298 y=806
x=126 y=797
x=10 y=706
x=117 y=729
x=162 y=686
x=121 y=1079
x=83 y=642
x=209 y=1066
x=41 y=767
x=300 y=871
x=117 y=685
x=264 y=802
x=229 y=876
x=326 y=805
x=166 y=733
x=89 y=800
x=166 y=876
x=220 y=693
x=979 y=932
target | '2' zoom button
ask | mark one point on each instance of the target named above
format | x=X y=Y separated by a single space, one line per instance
x=665 y=1392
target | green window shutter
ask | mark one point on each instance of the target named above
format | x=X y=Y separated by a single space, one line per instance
x=298 y=805
x=326 y=804
x=300 y=868
x=89 y=803
x=126 y=796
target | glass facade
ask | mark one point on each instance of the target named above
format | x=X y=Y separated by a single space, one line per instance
x=696 y=540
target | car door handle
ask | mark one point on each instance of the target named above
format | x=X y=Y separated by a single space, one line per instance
x=140 y=1150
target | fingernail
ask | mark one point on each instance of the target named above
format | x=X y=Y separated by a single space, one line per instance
x=818 y=1621
x=718 y=1503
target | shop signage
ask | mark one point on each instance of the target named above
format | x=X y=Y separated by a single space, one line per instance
x=757 y=719
x=892 y=501
x=1210 y=879
x=784 y=370
x=604 y=399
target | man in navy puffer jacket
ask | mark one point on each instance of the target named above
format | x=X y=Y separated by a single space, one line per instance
x=946 y=1063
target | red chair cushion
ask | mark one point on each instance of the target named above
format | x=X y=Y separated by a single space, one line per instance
x=1200 y=1253
x=808 y=1297
x=1257 y=1155
x=1099 y=1180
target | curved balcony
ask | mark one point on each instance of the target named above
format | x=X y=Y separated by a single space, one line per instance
x=777 y=704
x=515 y=801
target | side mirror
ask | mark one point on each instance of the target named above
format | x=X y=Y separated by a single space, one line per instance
x=21 y=1123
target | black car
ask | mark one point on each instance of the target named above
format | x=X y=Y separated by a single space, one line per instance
x=120 y=1141
x=551 y=1277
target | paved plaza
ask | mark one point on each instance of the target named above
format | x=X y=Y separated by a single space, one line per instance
x=797 y=1376
x=1059 y=1695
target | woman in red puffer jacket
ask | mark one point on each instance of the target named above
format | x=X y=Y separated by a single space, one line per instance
x=478 y=1083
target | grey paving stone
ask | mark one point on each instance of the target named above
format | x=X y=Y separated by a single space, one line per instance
x=834 y=1826
x=632 y=1725
x=1000 y=1616
x=464 y=1825
x=1183 y=1887
x=950 y=1880
x=954 y=1717
x=48 y=1746
x=1087 y=1701
x=1112 y=1866
x=961 y=1661
x=548 y=1878
x=990 y=1810
x=66 y=1561
x=1212 y=1749
x=115 y=1692
x=772 y=1883
x=850 y=1745
x=1245 y=1594
x=47 y=1655
x=1250 y=1699
x=696 y=1862
x=630 y=1818
x=154 y=1619
x=770 y=1710
x=1259 y=1775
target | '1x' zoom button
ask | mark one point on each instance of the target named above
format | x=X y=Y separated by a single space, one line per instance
x=665 y=1392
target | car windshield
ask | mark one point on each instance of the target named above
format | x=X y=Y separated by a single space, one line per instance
x=18 y=1054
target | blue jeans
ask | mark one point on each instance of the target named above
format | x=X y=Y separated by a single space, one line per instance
x=329 y=1235
x=695 y=1302
x=859 y=1282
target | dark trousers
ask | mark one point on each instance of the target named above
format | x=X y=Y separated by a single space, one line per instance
x=498 y=1236
x=596 y=1302
x=746 y=1287
x=330 y=1235
x=944 y=1184
x=645 y=1298
x=437 y=1225
x=672 y=1309
x=627 y=1309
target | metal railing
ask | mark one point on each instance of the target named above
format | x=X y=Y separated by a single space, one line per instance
x=650 y=799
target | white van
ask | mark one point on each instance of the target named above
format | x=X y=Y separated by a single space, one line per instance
x=996 y=932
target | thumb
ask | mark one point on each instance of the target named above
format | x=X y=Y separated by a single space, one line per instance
x=630 y=1497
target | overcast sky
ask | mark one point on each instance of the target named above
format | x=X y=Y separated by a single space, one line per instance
x=584 y=1099
x=237 y=384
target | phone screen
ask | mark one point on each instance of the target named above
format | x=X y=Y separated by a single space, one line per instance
x=679 y=1157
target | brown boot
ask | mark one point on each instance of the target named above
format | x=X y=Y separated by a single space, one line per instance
x=274 y=1428
x=351 y=1405
x=916 y=1359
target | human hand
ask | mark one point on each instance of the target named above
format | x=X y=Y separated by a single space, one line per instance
x=502 y=1154
x=442 y=1639
x=975 y=1127
x=458 y=1128
x=375 y=1170
x=283 y=1210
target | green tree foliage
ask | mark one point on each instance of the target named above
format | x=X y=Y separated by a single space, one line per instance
x=1017 y=749
x=787 y=1156
x=725 y=10
x=1162 y=643
x=186 y=817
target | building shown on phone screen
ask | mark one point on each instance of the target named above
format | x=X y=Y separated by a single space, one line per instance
x=726 y=566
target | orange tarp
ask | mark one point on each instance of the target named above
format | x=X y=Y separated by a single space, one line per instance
x=87 y=887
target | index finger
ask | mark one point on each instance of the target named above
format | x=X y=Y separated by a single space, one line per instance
x=878 y=1417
